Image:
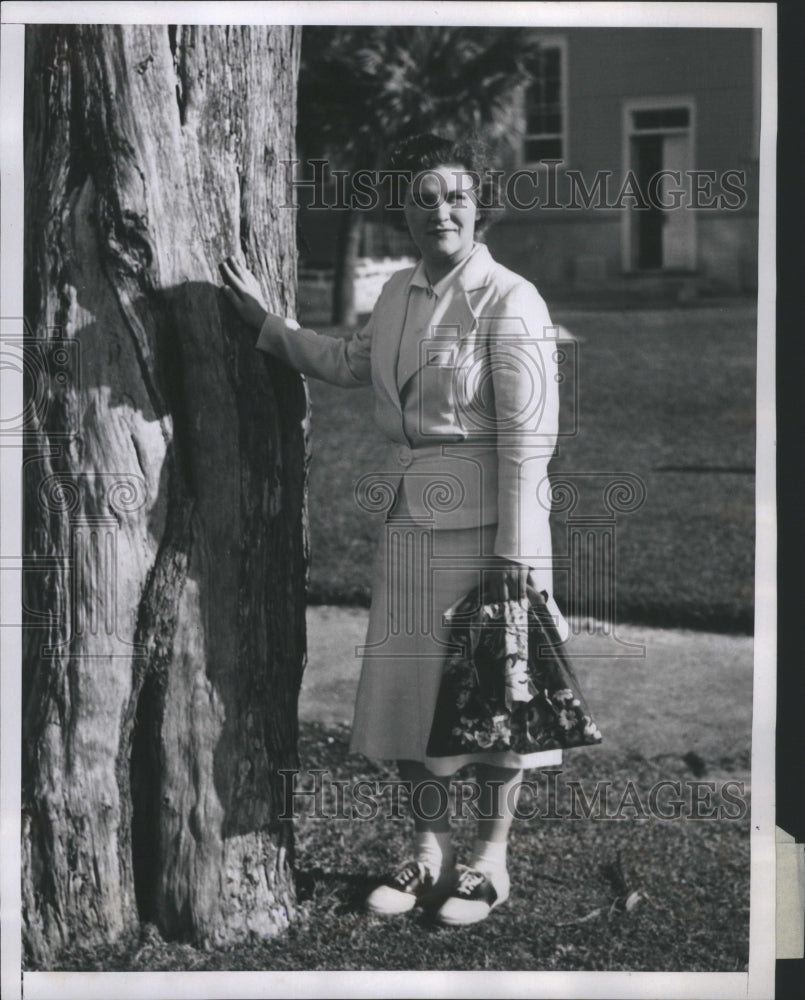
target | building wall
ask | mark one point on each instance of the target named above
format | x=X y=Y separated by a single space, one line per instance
x=606 y=68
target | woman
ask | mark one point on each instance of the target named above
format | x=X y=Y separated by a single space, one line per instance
x=459 y=353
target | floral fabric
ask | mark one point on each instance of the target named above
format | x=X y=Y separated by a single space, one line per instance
x=509 y=684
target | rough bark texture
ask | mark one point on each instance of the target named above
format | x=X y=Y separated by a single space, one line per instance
x=165 y=477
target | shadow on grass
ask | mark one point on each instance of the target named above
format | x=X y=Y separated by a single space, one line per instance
x=336 y=892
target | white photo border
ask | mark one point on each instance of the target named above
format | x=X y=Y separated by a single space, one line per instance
x=759 y=981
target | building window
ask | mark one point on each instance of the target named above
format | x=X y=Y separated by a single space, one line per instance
x=661 y=118
x=545 y=106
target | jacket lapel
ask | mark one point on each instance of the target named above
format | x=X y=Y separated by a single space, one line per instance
x=387 y=347
x=459 y=316
x=455 y=318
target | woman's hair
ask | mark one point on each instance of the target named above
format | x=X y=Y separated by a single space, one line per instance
x=427 y=151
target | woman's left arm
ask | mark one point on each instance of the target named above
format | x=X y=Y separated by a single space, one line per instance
x=522 y=349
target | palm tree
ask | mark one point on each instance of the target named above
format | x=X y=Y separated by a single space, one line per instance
x=361 y=89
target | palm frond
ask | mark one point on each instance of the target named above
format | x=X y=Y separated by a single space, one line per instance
x=361 y=89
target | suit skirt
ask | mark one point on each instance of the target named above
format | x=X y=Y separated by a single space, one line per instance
x=418 y=573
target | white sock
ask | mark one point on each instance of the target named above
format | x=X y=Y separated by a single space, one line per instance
x=489 y=857
x=434 y=849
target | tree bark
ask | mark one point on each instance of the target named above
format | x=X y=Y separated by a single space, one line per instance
x=350 y=230
x=165 y=486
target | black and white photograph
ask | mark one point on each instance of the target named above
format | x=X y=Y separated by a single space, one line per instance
x=388 y=501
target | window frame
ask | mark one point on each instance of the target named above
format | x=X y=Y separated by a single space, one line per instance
x=549 y=42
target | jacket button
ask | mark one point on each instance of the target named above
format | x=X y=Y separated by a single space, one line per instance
x=404 y=456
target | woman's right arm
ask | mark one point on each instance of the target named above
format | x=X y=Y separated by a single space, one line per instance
x=342 y=362
x=332 y=359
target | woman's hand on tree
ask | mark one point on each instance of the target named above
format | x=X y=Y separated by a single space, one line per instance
x=242 y=291
x=508 y=582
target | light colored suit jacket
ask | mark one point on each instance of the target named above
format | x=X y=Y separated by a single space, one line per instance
x=473 y=428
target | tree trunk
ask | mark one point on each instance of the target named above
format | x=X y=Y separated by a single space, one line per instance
x=165 y=484
x=350 y=230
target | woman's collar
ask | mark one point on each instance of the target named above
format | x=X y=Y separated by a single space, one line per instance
x=420 y=279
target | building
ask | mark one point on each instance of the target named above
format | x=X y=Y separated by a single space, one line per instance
x=635 y=167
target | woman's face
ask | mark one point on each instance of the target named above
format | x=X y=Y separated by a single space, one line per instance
x=440 y=210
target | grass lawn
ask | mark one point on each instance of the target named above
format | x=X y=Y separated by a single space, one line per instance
x=666 y=395
x=687 y=882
